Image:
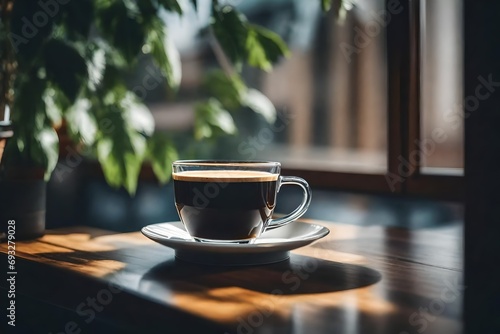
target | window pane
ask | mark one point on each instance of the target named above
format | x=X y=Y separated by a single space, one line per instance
x=441 y=86
x=334 y=91
x=330 y=94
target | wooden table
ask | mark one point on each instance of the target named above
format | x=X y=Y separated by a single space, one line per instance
x=356 y=280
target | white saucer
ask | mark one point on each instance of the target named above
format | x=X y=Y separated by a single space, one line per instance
x=271 y=246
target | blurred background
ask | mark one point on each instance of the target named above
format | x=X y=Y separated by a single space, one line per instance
x=332 y=97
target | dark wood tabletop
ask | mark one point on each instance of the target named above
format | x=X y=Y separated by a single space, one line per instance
x=356 y=280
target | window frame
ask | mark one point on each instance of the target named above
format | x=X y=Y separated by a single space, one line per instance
x=403 y=119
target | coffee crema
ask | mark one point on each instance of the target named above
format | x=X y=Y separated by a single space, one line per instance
x=224 y=176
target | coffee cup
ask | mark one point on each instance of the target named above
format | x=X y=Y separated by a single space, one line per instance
x=232 y=201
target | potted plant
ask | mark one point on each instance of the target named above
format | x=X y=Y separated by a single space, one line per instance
x=65 y=65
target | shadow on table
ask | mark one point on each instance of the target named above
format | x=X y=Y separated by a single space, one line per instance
x=298 y=275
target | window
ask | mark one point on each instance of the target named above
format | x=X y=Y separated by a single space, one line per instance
x=441 y=86
x=370 y=101
x=335 y=90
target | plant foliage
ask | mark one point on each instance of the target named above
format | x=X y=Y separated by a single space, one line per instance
x=69 y=58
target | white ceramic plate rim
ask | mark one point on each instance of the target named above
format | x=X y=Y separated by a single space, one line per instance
x=316 y=232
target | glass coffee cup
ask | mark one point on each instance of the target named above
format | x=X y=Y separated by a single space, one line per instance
x=232 y=201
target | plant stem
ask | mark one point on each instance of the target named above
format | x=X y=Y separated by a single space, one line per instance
x=221 y=57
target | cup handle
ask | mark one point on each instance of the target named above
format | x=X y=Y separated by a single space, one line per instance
x=298 y=212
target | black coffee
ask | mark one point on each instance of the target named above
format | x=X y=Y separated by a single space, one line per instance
x=225 y=205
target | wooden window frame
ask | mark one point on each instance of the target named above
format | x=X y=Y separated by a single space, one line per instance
x=404 y=115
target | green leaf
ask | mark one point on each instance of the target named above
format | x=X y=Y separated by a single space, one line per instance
x=120 y=23
x=165 y=55
x=129 y=38
x=120 y=152
x=229 y=90
x=121 y=165
x=112 y=77
x=106 y=12
x=171 y=5
x=260 y=104
x=26 y=37
x=265 y=48
x=65 y=67
x=121 y=145
x=212 y=120
x=256 y=53
x=137 y=115
x=79 y=16
x=233 y=94
x=45 y=149
x=54 y=112
x=96 y=67
x=29 y=109
x=29 y=113
x=34 y=147
x=161 y=154
x=242 y=41
x=132 y=8
x=230 y=28
x=81 y=123
x=326 y=5
x=148 y=8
